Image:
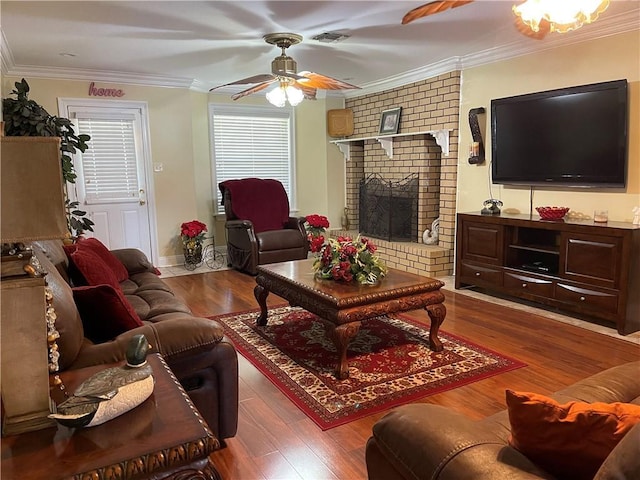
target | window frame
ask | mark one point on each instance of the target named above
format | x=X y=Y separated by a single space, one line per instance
x=253 y=111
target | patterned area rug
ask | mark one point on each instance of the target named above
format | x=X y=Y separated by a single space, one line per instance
x=389 y=362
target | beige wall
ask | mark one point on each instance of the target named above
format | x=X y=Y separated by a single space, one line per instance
x=610 y=58
x=184 y=190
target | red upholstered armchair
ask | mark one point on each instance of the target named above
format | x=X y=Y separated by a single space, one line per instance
x=259 y=228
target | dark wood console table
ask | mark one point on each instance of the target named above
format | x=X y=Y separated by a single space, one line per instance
x=575 y=265
x=163 y=438
x=345 y=306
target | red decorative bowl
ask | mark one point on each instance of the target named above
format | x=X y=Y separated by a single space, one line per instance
x=552 y=213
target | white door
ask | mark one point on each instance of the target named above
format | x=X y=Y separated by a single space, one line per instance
x=112 y=184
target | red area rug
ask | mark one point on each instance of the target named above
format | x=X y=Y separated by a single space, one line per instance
x=389 y=362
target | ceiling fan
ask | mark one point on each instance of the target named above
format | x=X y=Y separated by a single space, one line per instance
x=533 y=18
x=290 y=85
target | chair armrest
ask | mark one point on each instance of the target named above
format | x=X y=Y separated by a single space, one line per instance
x=431 y=441
x=134 y=260
x=296 y=223
x=239 y=224
x=241 y=235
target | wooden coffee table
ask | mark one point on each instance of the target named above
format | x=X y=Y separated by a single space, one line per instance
x=165 y=437
x=345 y=306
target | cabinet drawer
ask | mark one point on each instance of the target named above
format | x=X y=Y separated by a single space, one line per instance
x=528 y=284
x=590 y=299
x=481 y=275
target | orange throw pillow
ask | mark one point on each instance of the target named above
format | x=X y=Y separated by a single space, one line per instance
x=569 y=440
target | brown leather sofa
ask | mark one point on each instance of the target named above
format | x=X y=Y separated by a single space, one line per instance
x=259 y=228
x=424 y=441
x=202 y=358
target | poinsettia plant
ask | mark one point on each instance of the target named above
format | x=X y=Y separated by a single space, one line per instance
x=345 y=259
x=316 y=226
x=193 y=231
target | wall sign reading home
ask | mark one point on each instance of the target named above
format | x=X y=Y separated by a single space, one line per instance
x=104 y=92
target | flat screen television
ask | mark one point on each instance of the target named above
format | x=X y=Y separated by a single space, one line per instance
x=575 y=136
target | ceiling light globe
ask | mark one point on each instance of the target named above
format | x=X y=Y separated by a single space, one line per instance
x=277 y=97
x=294 y=95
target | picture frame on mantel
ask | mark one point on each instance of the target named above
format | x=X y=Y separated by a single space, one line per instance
x=389 y=121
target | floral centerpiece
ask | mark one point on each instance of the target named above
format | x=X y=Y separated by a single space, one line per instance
x=192 y=234
x=316 y=226
x=344 y=259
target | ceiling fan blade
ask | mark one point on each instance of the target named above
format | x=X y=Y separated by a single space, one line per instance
x=315 y=80
x=525 y=29
x=254 y=89
x=309 y=92
x=430 y=9
x=288 y=75
x=263 y=77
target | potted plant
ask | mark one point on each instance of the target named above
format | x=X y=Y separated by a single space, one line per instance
x=192 y=234
x=26 y=118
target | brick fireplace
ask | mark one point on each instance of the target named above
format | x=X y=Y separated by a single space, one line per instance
x=428 y=105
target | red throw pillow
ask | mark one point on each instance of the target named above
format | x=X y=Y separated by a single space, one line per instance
x=105 y=312
x=93 y=269
x=97 y=247
x=569 y=440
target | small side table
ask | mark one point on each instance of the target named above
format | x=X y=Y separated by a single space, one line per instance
x=163 y=438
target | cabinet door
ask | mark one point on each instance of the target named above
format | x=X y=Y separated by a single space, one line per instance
x=483 y=243
x=593 y=259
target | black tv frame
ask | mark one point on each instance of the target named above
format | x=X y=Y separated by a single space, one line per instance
x=615 y=179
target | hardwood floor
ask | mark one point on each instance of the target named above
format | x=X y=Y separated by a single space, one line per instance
x=275 y=440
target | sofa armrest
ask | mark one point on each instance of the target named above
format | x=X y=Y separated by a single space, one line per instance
x=431 y=441
x=179 y=337
x=623 y=462
x=134 y=260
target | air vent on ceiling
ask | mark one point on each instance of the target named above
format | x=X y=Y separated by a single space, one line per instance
x=329 y=37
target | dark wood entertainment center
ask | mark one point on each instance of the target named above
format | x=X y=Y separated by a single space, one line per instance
x=575 y=265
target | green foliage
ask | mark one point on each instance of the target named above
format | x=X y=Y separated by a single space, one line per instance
x=26 y=118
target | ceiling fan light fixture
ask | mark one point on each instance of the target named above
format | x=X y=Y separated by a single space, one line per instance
x=294 y=95
x=563 y=16
x=277 y=97
x=283 y=93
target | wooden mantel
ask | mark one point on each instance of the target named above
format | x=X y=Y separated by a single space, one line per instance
x=386 y=141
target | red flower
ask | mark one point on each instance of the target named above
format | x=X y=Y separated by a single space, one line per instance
x=316 y=243
x=342 y=271
x=348 y=250
x=370 y=246
x=192 y=229
x=317 y=221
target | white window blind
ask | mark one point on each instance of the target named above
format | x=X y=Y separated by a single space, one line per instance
x=252 y=142
x=109 y=165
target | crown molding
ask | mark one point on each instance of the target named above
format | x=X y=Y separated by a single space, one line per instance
x=411 y=76
x=56 y=73
x=6 y=57
x=604 y=27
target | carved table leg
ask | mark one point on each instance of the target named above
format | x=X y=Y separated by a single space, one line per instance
x=436 y=313
x=341 y=336
x=261 y=295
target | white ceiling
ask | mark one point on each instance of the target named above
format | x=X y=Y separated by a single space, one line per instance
x=204 y=44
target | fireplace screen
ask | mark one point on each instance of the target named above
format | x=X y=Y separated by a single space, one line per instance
x=389 y=210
